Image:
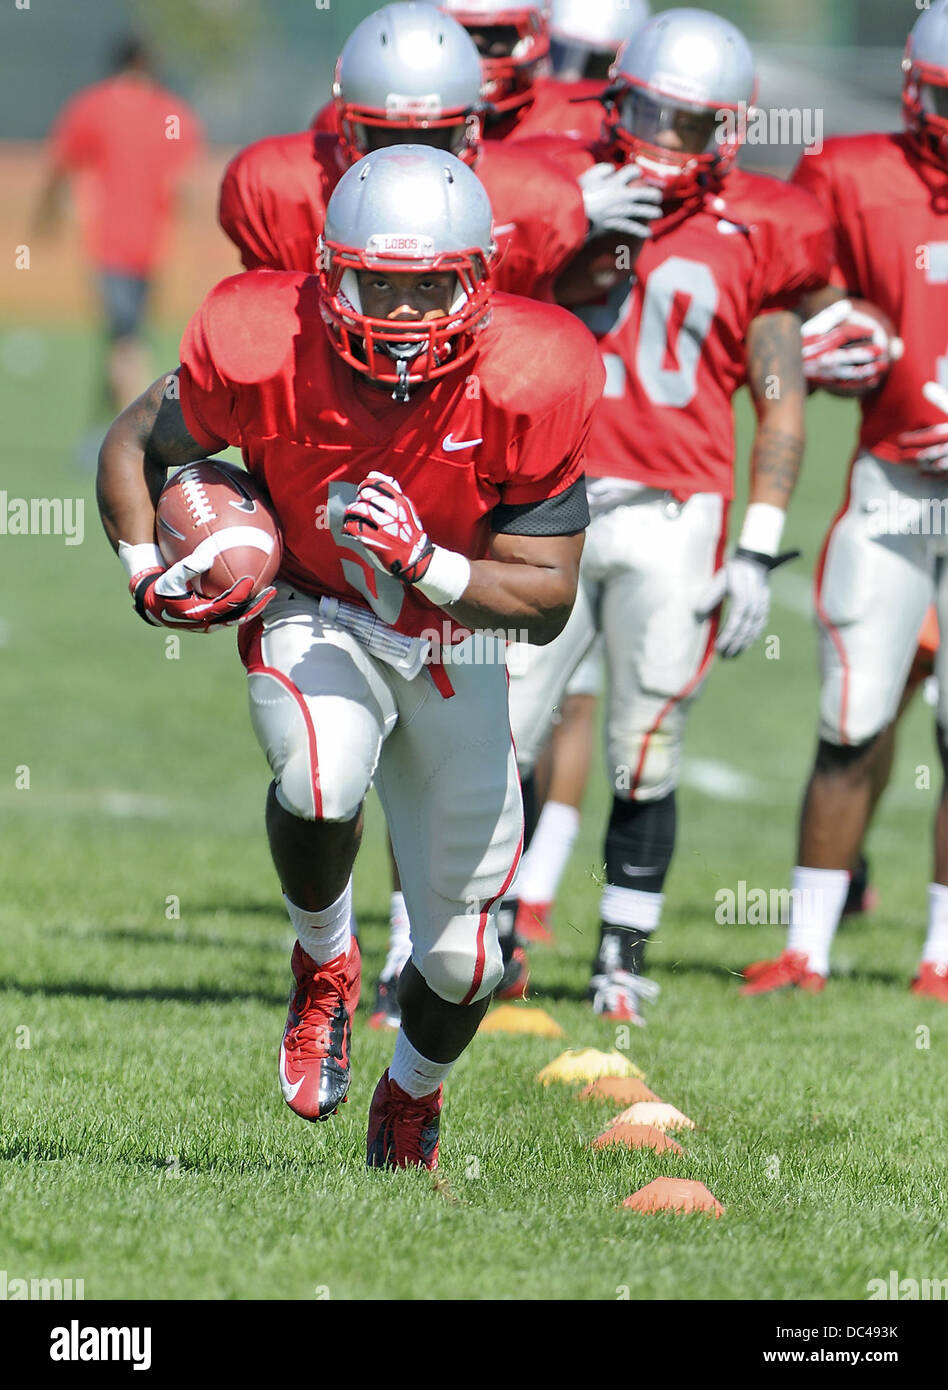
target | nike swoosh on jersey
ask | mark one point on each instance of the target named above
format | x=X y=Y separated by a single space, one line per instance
x=449 y=444
x=505 y=227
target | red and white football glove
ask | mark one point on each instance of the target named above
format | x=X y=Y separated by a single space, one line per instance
x=846 y=348
x=931 y=441
x=164 y=597
x=384 y=520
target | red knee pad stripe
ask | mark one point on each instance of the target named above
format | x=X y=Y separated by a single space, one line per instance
x=250 y=646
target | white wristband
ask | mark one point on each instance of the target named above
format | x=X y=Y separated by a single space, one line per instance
x=137 y=558
x=763 y=527
x=446 y=577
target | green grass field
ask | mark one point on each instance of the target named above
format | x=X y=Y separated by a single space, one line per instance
x=144 y=1144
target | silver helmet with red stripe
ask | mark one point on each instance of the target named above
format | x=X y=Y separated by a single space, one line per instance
x=409 y=72
x=406 y=210
x=586 y=35
x=925 y=83
x=513 y=40
x=680 y=83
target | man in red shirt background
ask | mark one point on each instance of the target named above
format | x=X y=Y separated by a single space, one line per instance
x=126 y=142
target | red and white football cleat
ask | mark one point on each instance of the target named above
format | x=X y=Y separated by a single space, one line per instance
x=516 y=977
x=615 y=994
x=789 y=969
x=533 y=923
x=931 y=981
x=403 y=1130
x=386 y=1013
x=314 y=1053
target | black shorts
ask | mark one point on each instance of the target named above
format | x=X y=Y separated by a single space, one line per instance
x=123 y=298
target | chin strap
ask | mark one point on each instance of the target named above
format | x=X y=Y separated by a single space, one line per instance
x=402 y=389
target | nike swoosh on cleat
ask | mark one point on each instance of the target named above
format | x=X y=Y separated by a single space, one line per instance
x=289 y=1091
x=449 y=443
x=634 y=872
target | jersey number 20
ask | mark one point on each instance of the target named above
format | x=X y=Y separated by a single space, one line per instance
x=678 y=308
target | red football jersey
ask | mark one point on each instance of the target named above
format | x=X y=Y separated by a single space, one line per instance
x=553 y=109
x=259 y=371
x=274 y=194
x=129 y=142
x=889 y=212
x=673 y=339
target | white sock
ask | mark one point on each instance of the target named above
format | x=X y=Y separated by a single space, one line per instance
x=630 y=907
x=543 y=863
x=414 y=1073
x=936 y=942
x=399 y=937
x=325 y=934
x=817 y=899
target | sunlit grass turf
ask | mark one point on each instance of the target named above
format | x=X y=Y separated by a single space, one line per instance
x=144 y=1145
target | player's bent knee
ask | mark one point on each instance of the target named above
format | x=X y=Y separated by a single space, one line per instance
x=834 y=757
x=644 y=767
x=314 y=781
x=463 y=973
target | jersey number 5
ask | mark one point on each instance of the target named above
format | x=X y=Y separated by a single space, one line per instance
x=383 y=592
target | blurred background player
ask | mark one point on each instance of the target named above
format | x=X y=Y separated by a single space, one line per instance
x=406 y=73
x=325 y=383
x=711 y=303
x=554 y=799
x=523 y=94
x=126 y=143
x=882 y=566
x=585 y=38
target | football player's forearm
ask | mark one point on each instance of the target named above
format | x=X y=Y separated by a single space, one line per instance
x=775 y=462
x=775 y=375
x=531 y=602
x=147 y=439
x=819 y=299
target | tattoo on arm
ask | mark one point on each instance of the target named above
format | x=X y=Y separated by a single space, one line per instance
x=159 y=423
x=777 y=457
x=775 y=376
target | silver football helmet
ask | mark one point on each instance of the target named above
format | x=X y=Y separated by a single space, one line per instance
x=408 y=67
x=681 y=80
x=586 y=35
x=408 y=209
x=925 y=84
x=513 y=38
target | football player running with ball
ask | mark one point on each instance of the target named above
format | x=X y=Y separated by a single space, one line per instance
x=422 y=443
x=710 y=305
x=885 y=560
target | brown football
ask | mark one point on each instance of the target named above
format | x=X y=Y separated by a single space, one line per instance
x=214 y=508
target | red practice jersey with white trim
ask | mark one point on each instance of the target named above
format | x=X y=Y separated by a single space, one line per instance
x=889 y=211
x=274 y=193
x=258 y=371
x=673 y=339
